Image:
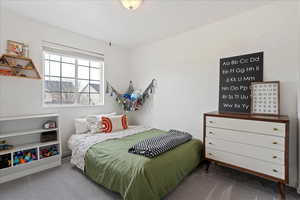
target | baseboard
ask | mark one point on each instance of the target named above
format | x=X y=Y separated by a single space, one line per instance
x=66 y=154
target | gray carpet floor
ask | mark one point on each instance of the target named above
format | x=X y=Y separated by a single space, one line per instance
x=68 y=183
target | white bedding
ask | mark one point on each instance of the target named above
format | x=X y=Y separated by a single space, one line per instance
x=80 y=144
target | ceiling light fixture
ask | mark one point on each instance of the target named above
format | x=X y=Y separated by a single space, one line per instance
x=131 y=4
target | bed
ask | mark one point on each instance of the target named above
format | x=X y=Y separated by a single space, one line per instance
x=104 y=158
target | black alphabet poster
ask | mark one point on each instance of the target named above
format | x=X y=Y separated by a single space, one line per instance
x=236 y=75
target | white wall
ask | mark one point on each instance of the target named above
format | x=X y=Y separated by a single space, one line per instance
x=298 y=102
x=24 y=96
x=187 y=68
x=0 y=22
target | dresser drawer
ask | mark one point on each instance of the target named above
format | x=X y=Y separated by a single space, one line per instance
x=259 y=153
x=270 y=128
x=268 y=141
x=259 y=166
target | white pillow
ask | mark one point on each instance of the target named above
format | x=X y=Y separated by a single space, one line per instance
x=90 y=124
x=81 y=126
x=97 y=118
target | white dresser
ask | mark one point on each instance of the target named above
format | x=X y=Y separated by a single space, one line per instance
x=250 y=143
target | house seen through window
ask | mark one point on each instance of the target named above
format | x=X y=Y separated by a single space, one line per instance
x=72 y=80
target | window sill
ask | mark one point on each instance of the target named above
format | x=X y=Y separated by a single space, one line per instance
x=71 y=106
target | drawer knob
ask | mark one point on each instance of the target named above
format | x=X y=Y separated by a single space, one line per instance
x=274 y=157
x=275 y=129
x=274 y=170
x=211 y=133
x=210 y=122
x=275 y=143
x=209 y=143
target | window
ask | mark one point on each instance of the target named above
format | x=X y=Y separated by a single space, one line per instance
x=72 y=79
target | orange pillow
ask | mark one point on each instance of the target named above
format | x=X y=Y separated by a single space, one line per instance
x=114 y=123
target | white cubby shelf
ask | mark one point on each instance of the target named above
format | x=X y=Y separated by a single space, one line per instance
x=28 y=146
x=29 y=154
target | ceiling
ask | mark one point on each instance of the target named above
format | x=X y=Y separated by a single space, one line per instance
x=108 y=20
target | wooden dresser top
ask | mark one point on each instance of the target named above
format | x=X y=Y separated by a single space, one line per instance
x=280 y=118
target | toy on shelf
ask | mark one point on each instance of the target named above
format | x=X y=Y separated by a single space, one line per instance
x=26 y=156
x=49 y=151
x=5 y=161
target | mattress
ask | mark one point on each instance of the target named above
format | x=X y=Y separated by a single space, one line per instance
x=136 y=177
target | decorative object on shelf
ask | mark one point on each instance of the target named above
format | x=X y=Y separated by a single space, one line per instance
x=133 y=99
x=26 y=51
x=236 y=75
x=49 y=125
x=5 y=72
x=17 y=48
x=4 y=147
x=265 y=98
x=48 y=136
x=131 y=4
x=11 y=65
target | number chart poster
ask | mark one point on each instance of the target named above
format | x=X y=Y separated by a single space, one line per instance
x=236 y=75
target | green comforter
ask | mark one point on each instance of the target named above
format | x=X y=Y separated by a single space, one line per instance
x=137 y=177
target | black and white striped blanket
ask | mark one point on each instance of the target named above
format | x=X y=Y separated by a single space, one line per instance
x=157 y=145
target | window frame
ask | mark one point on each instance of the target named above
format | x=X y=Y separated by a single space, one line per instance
x=76 y=56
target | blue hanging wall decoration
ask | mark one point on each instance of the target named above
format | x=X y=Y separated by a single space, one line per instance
x=133 y=99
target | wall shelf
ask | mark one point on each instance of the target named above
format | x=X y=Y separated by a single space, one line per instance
x=16 y=66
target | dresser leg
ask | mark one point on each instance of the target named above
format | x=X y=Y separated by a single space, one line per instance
x=207 y=166
x=281 y=188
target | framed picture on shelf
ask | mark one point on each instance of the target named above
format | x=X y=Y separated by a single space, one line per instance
x=17 y=48
x=265 y=98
